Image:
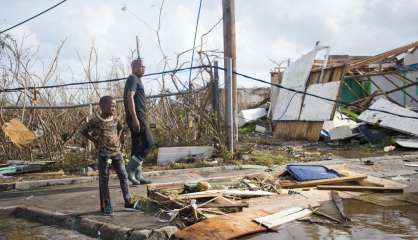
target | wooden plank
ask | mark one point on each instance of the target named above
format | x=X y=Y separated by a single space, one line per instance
x=230 y=226
x=382 y=56
x=283 y=217
x=225 y=205
x=215 y=193
x=163 y=198
x=383 y=200
x=359 y=188
x=315 y=109
x=294 y=130
x=315 y=183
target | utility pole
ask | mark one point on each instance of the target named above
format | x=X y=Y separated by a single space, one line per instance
x=228 y=7
x=229 y=114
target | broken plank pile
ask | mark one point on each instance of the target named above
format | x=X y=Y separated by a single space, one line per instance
x=14 y=167
x=229 y=208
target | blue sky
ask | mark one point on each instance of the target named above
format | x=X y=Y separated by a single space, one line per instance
x=276 y=29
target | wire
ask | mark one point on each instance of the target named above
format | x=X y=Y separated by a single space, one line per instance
x=37 y=15
x=194 y=44
x=94 y=103
x=99 y=81
x=223 y=69
x=317 y=96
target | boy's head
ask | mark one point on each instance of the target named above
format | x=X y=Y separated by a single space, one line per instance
x=138 y=67
x=107 y=105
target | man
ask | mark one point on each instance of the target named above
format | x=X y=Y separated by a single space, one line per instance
x=142 y=141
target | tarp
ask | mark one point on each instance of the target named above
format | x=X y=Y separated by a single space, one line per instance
x=310 y=172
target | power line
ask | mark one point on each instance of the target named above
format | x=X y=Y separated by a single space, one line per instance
x=317 y=96
x=181 y=93
x=99 y=81
x=223 y=69
x=194 y=44
x=37 y=15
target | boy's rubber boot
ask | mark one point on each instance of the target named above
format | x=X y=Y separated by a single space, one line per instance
x=131 y=170
x=139 y=176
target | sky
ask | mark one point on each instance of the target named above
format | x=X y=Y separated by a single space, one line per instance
x=265 y=30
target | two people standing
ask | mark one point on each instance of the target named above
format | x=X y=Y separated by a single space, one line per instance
x=105 y=131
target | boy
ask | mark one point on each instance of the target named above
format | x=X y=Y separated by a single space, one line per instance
x=105 y=131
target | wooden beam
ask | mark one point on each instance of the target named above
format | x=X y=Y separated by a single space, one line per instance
x=283 y=217
x=315 y=183
x=360 y=188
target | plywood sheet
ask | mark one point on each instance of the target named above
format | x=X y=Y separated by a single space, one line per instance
x=287 y=106
x=316 y=109
x=228 y=226
x=291 y=130
x=386 y=120
x=382 y=199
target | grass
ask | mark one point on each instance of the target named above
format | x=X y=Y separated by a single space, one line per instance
x=266 y=158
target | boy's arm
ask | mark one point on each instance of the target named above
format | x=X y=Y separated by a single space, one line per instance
x=86 y=130
x=121 y=135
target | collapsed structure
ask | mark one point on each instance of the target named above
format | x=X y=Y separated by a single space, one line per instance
x=353 y=82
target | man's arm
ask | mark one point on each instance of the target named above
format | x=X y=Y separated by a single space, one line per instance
x=131 y=109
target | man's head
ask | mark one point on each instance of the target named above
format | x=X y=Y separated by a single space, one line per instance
x=107 y=106
x=138 y=67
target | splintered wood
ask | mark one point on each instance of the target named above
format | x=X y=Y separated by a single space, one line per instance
x=230 y=226
x=18 y=133
x=314 y=183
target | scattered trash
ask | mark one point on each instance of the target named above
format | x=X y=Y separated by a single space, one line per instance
x=8 y=170
x=167 y=155
x=293 y=192
x=368 y=163
x=18 y=133
x=411 y=164
x=30 y=197
x=260 y=129
x=389 y=148
x=375 y=135
x=250 y=115
x=341 y=127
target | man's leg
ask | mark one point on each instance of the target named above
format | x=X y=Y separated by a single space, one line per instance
x=104 y=185
x=147 y=142
x=133 y=163
x=119 y=167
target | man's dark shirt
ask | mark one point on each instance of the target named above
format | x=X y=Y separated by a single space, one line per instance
x=134 y=83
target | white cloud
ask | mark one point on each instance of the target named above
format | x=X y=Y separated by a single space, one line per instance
x=278 y=29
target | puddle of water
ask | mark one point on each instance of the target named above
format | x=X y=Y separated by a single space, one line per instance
x=19 y=229
x=368 y=222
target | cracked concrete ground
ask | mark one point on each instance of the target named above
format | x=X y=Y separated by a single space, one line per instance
x=83 y=199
